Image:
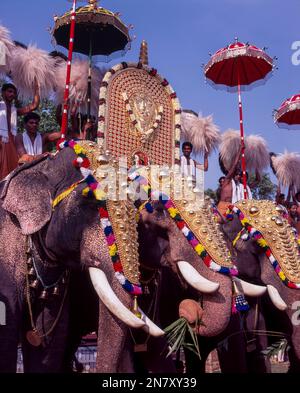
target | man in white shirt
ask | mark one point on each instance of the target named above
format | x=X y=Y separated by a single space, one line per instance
x=31 y=144
x=238 y=188
x=188 y=165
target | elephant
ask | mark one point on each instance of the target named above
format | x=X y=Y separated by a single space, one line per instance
x=167 y=260
x=277 y=309
x=67 y=237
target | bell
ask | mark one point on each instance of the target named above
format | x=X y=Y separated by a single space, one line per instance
x=31 y=271
x=146 y=290
x=44 y=295
x=135 y=308
x=34 y=284
x=55 y=291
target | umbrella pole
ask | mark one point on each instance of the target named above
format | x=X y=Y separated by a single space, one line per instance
x=64 y=122
x=242 y=140
x=89 y=91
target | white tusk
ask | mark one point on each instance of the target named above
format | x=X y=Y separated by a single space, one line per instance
x=150 y=326
x=251 y=289
x=194 y=278
x=111 y=301
x=276 y=298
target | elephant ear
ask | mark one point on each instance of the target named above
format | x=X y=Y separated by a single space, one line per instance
x=27 y=195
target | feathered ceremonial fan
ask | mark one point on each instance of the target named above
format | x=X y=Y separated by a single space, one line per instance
x=287 y=169
x=200 y=131
x=256 y=153
x=6 y=47
x=30 y=65
x=79 y=84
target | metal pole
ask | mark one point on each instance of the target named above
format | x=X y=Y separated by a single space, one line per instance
x=64 y=122
x=242 y=139
x=89 y=91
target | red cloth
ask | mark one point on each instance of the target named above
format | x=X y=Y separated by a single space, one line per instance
x=8 y=157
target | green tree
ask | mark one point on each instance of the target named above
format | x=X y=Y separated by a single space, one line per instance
x=48 y=123
x=211 y=193
x=265 y=189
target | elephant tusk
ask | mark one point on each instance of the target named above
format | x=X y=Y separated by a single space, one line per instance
x=276 y=298
x=150 y=327
x=194 y=278
x=251 y=289
x=111 y=301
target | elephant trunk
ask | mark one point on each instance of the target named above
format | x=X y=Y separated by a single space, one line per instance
x=217 y=305
x=216 y=308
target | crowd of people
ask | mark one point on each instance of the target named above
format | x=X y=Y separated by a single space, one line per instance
x=19 y=148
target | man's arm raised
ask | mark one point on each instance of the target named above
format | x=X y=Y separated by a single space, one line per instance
x=35 y=103
x=232 y=170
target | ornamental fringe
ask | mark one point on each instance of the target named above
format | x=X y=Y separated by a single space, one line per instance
x=200 y=131
x=256 y=153
x=287 y=169
x=28 y=65
x=6 y=41
x=79 y=84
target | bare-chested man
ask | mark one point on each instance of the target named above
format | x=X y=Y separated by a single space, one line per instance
x=226 y=186
x=31 y=144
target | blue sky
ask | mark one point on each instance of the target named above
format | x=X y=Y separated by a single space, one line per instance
x=180 y=35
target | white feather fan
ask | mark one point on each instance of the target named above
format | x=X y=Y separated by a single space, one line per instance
x=6 y=47
x=79 y=84
x=28 y=65
x=256 y=152
x=200 y=131
x=287 y=169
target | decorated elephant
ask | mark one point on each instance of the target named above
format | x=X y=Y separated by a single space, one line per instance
x=48 y=228
x=169 y=270
x=268 y=254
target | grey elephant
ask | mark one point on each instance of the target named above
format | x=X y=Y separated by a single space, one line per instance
x=47 y=241
x=167 y=267
x=268 y=254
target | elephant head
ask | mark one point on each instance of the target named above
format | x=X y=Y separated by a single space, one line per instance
x=68 y=232
x=214 y=288
x=268 y=254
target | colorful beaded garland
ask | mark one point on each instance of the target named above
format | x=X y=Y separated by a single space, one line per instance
x=181 y=224
x=258 y=237
x=94 y=189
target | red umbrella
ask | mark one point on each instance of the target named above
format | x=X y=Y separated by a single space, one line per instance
x=236 y=66
x=288 y=115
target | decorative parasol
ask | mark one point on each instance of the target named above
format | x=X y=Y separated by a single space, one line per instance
x=288 y=115
x=98 y=31
x=236 y=66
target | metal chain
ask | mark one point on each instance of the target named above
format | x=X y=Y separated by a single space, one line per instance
x=30 y=307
